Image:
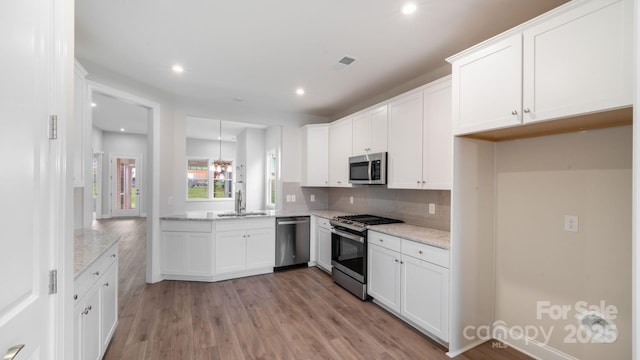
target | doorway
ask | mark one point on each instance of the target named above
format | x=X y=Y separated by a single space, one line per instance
x=126 y=183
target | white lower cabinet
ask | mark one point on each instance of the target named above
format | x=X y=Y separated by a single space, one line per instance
x=87 y=327
x=187 y=249
x=323 y=240
x=244 y=248
x=108 y=305
x=410 y=279
x=95 y=309
x=217 y=250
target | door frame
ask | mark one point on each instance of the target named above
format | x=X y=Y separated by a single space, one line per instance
x=152 y=171
x=140 y=178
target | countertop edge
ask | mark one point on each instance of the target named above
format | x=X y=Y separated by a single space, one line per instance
x=89 y=246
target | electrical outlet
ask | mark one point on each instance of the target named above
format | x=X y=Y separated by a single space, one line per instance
x=351 y=200
x=288 y=198
x=571 y=223
x=432 y=208
x=313 y=198
x=170 y=201
x=293 y=198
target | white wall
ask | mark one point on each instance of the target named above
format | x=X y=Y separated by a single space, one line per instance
x=273 y=143
x=538 y=181
x=251 y=159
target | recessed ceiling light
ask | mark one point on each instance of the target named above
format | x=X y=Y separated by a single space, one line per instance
x=177 y=69
x=300 y=91
x=93 y=104
x=121 y=129
x=409 y=8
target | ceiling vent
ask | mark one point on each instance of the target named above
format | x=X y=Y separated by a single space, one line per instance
x=344 y=62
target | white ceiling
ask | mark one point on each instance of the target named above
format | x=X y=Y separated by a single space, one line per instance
x=261 y=51
x=209 y=129
x=111 y=114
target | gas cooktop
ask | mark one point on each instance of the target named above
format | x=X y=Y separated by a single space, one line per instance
x=360 y=222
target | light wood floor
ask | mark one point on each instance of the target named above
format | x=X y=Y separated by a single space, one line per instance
x=296 y=314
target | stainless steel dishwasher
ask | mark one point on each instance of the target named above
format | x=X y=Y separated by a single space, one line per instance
x=292 y=241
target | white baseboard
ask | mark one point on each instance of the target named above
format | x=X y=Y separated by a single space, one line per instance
x=453 y=354
x=530 y=346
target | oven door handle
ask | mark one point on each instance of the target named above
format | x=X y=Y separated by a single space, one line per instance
x=347 y=235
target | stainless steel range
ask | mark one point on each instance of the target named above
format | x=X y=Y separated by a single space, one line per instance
x=349 y=250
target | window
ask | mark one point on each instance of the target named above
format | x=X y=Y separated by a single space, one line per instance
x=202 y=171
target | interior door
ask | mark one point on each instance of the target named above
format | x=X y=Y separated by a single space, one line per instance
x=125 y=188
x=27 y=213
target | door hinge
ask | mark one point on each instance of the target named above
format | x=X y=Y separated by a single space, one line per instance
x=53 y=127
x=53 y=282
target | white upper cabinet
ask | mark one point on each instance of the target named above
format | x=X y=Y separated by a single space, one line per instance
x=571 y=61
x=487 y=87
x=437 y=139
x=579 y=62
x=315 y=155
x=405 y=142
x=420 y=139
x=340 y=143
x=370 y=131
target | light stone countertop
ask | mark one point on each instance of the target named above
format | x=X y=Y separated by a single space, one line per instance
x=215 y=215
x=425 y=235
x=89 y=245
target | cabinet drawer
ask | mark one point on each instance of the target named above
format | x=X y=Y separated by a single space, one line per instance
x=186 y=226
x=229 y=225
x=426 y=252
x=324 y=223
x=85 y=281
x=384 y=240
x=89 y=277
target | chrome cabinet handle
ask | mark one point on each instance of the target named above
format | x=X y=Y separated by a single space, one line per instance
x=75 y=296
x=97 y=273
x=13 y=351
x=526 y=110
x=514 y=112
x=106 y=284
x=113 y=256
x=396 y=260
x=419 y=251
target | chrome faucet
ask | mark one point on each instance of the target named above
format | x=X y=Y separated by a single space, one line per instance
x=240 y=207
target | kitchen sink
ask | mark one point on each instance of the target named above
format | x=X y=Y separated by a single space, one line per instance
x=251 y=213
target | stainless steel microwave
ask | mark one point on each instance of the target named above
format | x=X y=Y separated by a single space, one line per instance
x=370 y=169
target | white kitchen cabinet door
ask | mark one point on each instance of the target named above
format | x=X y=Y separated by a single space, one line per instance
x=174 y=252
x=261 y=248
x=383 y=276
x=370 y=131
x=425 y=295
x=324 y=248
x=405 y=142
x=200 y=254
x=108 y=304
x=361 y=133
x=340 y=143
x=437 y=138
x=186 y=253
x=378 y=120
x=315 y=155
x=87 y=343
x=231 y=251
x=579 y=62
x=487 y=87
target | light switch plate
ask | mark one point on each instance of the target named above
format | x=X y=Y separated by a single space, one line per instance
x=351 y=200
